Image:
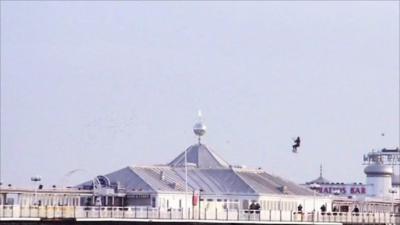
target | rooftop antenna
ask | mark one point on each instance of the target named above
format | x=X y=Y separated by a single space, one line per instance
x=199 y=128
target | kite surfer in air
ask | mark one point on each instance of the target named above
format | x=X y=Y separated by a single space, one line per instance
x=296 y=144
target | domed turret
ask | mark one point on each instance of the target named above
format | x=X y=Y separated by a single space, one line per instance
x=378 y=170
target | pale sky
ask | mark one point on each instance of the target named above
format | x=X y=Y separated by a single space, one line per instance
x=99 y=86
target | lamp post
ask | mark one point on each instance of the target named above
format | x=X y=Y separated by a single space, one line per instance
x=35 y=179
x=186 y=184
x=314 y=186
x=200 y=191
x=393 y=191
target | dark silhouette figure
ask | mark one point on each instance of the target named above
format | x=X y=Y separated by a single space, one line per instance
x=334 y=211
x=252 y=207
x=257 y=207
x=323 y=209
x=356 y=211
x=296 y=144
x=300 y=208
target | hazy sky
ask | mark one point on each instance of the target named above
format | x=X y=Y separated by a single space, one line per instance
x=102 y=85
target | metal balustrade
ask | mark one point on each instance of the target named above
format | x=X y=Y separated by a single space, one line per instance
x=67 y=212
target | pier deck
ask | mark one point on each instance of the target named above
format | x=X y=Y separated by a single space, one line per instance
x=139 y=216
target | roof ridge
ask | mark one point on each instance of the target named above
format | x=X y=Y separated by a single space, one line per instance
x=288 y=182
x=216 y=156
x=131 y=169
x=171 y=181
x=140 y=175
x=201 y=155
x=244 y=181
x=188 y=185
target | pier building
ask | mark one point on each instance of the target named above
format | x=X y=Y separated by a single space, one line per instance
x=199 y=179
x=382 y=178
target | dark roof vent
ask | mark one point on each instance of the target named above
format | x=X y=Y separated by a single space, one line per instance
x=172 y=185
x=283 y=189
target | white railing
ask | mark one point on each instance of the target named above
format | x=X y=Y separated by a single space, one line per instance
x=16 y=211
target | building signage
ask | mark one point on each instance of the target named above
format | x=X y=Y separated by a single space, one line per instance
x=342 y=190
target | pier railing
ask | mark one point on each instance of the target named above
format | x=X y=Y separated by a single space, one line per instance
x=79 y=212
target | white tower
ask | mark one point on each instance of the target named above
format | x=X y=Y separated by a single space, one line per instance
x=380 y=172
x=379 y=179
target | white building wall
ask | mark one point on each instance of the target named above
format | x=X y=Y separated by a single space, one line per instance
x=173 y=201
x=220 y=203
x=309 y=204
x=379 y=186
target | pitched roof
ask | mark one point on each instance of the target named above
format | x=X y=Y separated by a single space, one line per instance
x=209 y=181
x=129 y=178
x=262 y=182
x=209 y=173
x=172 y=179
x=201 y=156
x=319 y=180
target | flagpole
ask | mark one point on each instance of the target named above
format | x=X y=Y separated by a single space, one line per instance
x=186 y=184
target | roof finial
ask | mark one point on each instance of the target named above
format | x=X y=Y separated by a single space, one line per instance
x=199 y=128
x=320 y=170
x=199 y=114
